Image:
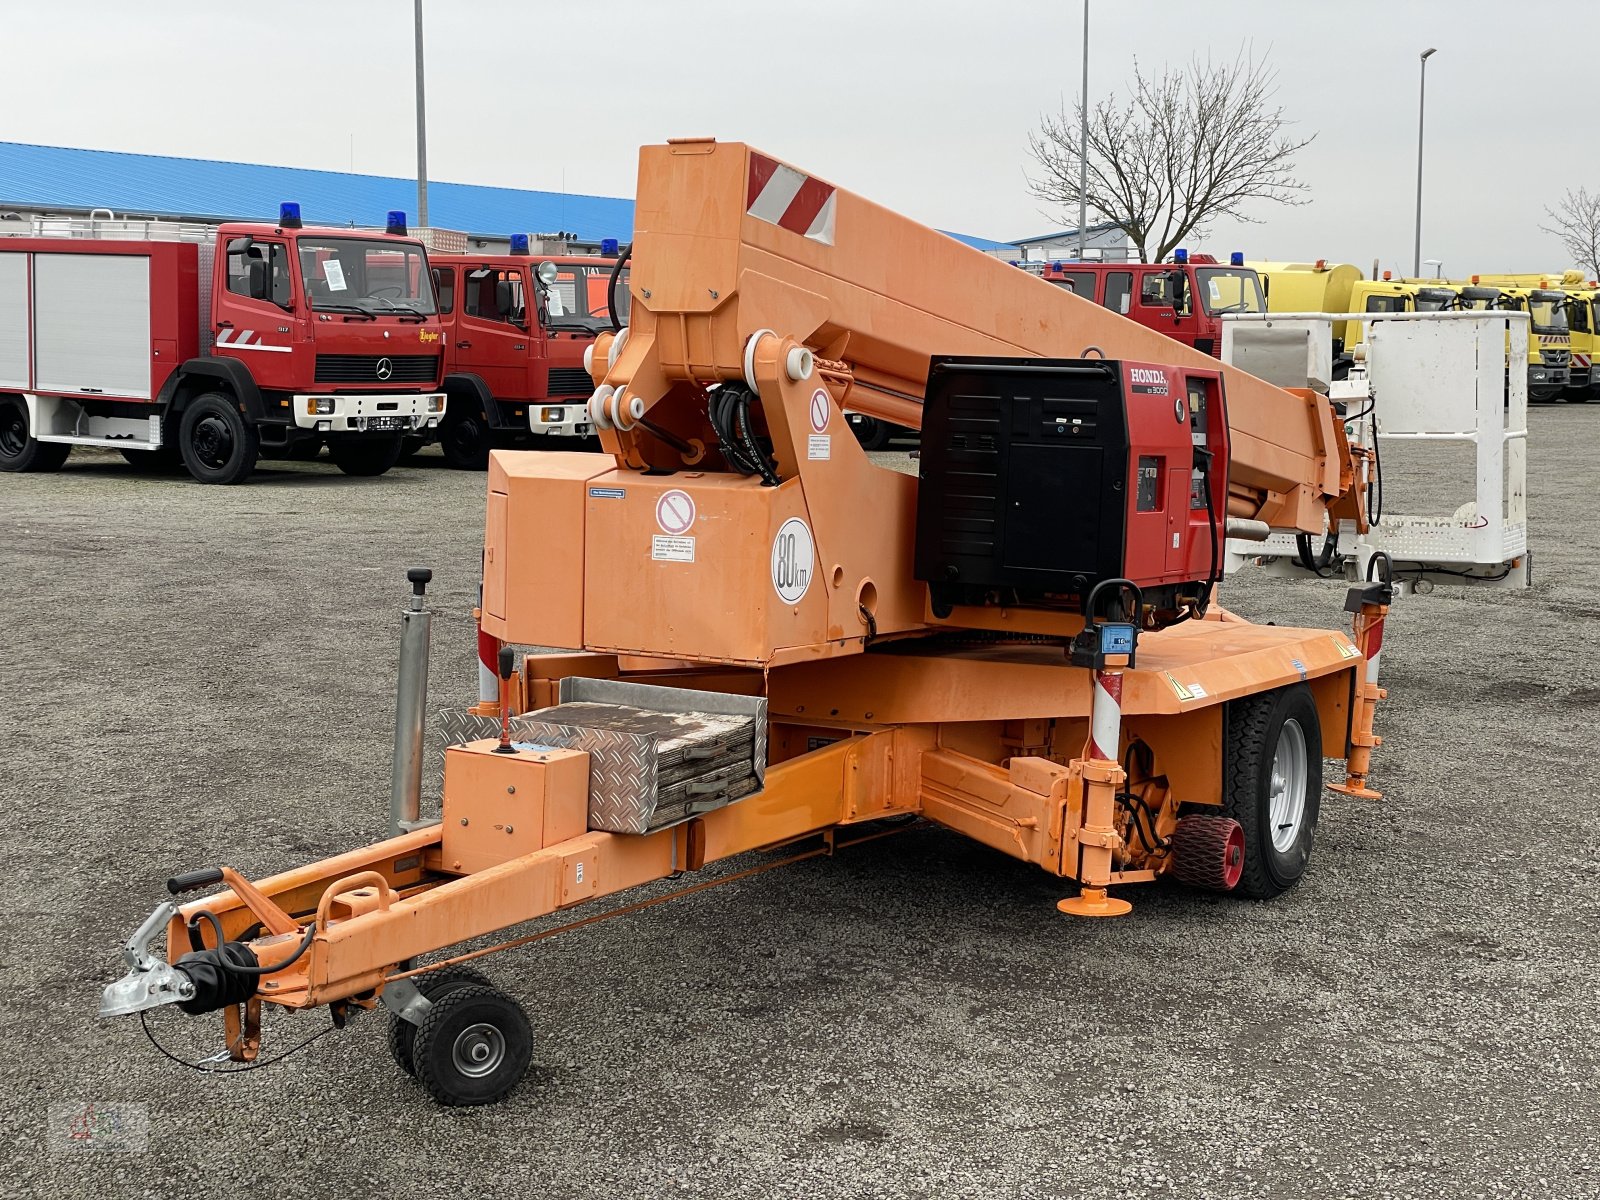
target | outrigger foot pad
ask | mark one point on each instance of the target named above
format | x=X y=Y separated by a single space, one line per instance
x=1093 y=902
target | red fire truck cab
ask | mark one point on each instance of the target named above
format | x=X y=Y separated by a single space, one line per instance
x=215 y=346
x=514 y=370
x=1184 y=299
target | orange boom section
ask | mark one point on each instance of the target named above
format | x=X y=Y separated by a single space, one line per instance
x=872 y=295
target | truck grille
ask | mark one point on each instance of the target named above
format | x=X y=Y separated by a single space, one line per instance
x=570 y=381
x=1556 y=358
x=369 y=368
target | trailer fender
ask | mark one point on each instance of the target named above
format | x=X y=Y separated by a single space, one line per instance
x=210 y=374
x=466 y=389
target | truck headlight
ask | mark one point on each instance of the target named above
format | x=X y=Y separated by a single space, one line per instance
x=319 y=406
x=552 y=414
x=436 y=404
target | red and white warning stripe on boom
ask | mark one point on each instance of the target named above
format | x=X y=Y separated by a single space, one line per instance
x=782 y=196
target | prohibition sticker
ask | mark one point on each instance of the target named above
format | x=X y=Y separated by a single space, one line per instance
x=675 y=512
x=791 y=560
x=821 y=410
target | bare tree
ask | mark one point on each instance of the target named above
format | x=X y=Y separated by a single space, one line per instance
x=1576 y=221
x=1186 y=147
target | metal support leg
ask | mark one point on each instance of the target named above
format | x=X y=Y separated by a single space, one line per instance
x=1102 y=779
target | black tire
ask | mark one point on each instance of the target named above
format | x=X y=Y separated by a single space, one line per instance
x=434 y=985
x=872 y=433
x=369 y=455
x=465 y=438
x=1258 y=727
x=1543 y=395
x=1578 y=396
x=168 y=460
x=473 y=1047
x=218 y=444
x=19 y=449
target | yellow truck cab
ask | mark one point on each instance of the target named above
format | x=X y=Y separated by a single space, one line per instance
x=1583 y=319
x=1549 y=338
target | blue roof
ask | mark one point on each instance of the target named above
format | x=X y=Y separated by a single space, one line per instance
x=59 y=177
x=154 y=185
x=1065 y=233
x=978 y=243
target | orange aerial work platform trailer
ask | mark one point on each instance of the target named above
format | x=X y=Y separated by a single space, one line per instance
x=769 y=638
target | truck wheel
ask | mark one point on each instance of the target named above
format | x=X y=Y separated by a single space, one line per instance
x=464 y=439
x=473 y=1047
x=364 y=455
x=1272 y=785
x=218 y=444
x=872 y=433
x=435 y=985
x=21 y=451
x=1543 y=395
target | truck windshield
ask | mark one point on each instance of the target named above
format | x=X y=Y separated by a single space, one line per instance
x=1548 y=312
x=577 y=297
x=1435 y=300
x=373 y=277
x=1078 y=282
x=1225 y=290
x=1481 y=299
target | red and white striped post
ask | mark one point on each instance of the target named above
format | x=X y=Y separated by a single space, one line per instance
x=488 y=676
x=488 y=681
x=1105 y=716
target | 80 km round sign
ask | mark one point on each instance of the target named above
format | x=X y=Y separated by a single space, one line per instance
x=792 y=553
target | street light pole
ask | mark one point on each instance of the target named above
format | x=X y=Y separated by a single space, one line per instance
x=1083 y=137
x=1422 y=100
x=422 y=130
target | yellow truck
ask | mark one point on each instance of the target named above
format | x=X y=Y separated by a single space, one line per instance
x=1324 y=287
x=1549 y=337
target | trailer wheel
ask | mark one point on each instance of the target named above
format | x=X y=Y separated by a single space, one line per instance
x=1272 y=785
x=464 y=438
x=364 y=455
x=435 y=985
x=20 y=450
x=473 y=1047
x=218 y=444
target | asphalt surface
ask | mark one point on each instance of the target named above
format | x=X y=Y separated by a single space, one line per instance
x=192 y=675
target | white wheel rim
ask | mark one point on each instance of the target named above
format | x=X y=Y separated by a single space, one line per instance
x=479 y=1050
x=1287 y=793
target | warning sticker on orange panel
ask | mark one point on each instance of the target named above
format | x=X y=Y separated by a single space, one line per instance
x=672 y=549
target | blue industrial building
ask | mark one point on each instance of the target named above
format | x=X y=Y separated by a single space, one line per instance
x=59 y=180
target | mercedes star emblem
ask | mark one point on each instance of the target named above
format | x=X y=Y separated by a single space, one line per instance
x=385 y=368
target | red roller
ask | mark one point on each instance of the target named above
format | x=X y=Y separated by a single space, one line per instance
x=1208 y=852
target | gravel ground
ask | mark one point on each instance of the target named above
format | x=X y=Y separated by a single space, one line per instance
x=193 y=675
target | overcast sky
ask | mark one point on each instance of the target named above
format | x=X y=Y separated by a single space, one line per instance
x=924 y=106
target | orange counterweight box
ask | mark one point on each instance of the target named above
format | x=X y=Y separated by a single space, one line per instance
x=501 y=806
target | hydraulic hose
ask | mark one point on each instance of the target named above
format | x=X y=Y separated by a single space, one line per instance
x=237 y=968
x=611 y=287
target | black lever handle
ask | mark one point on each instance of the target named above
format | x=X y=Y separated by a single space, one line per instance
x=191 y=880
x=419 y=578
x=508 y=661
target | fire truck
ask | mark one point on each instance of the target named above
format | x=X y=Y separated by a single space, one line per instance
x=1184 y=299
x=212 y=347
x=513 y=369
